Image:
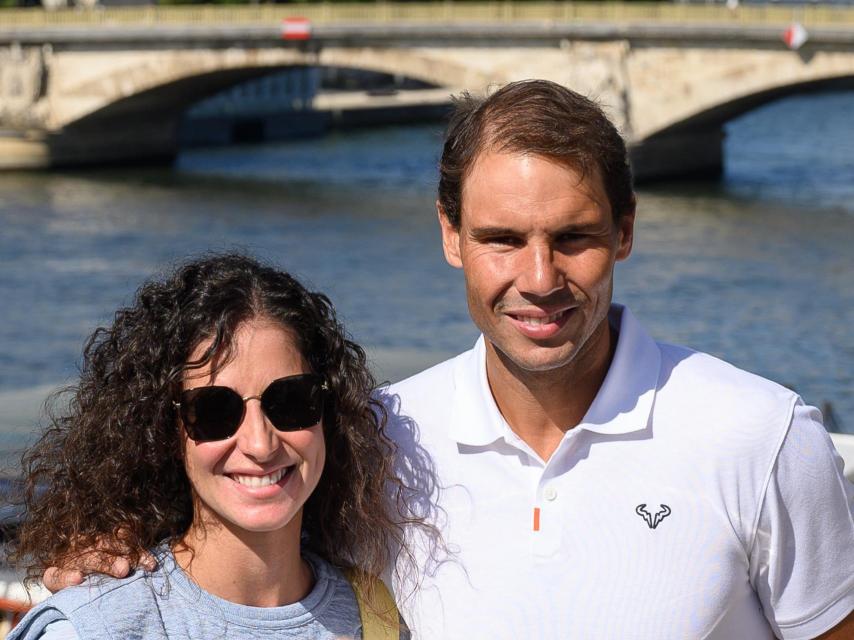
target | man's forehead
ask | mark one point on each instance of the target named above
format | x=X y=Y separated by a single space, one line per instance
x=516 y=187
x=493 y=151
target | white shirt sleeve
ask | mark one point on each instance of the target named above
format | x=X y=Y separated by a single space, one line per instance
x=802 y=560
x=59 y=630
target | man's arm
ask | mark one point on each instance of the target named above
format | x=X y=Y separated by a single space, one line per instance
x=802 y=558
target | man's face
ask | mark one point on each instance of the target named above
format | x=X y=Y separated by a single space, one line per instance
x=537 y=244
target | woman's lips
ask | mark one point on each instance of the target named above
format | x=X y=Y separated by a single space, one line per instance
x=262 y=486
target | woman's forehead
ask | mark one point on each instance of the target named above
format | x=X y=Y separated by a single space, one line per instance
x=258 y=348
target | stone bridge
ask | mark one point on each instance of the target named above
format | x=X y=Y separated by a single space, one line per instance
x=71 y=94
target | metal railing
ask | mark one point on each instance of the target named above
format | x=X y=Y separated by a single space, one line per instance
x=436 y=12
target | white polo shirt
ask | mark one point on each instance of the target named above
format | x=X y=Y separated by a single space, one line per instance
x=694 y=500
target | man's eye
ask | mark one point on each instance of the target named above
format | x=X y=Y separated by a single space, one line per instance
x=569 y=237
x=508 y=241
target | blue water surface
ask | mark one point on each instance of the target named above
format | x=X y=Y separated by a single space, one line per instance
x=756 y=269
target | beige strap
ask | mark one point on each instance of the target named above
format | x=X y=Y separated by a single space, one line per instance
x=380 y=620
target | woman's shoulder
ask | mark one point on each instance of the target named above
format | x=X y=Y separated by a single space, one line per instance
x=67 y=610
x=42 y=623
x=99 y=608
x=58 y=630
x=331 y=604
x=368 y=604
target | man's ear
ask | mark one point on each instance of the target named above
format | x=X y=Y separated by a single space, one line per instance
x=626 y=231
x=450 y=238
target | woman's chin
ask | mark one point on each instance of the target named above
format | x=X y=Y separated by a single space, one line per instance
x=268 y=518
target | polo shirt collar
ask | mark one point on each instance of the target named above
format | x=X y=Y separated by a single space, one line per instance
x=624 y=401
x=622 y=405
x=475 y=418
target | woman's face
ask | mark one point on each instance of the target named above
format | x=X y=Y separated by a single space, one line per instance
x=259 y=478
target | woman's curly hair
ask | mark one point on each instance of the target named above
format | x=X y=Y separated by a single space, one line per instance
x=108 y=471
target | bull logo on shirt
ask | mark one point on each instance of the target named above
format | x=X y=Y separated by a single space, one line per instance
x=653 y=520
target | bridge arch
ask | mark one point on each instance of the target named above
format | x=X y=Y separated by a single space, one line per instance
x=164 y=84
x=131 y=109
x=681 y=98
x=707 y=88
x=714 y=118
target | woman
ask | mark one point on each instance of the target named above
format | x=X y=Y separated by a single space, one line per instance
x=225 y=423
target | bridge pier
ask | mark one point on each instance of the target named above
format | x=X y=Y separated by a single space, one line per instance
x=92 y=143
x=23 y=150
x=685 y=154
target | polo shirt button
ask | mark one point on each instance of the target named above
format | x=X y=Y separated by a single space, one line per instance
x=550 y=493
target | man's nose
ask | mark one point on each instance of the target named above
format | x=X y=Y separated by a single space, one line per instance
x=256 y=437
x=539 y=275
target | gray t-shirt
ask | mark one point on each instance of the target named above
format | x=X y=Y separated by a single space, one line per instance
x=167 y=604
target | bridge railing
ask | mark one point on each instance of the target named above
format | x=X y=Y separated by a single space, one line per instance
x=436 y=12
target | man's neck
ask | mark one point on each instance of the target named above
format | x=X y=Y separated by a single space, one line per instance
x=541 y=406
x=256 y=569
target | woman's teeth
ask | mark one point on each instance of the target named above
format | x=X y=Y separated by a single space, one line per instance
x=260 y=481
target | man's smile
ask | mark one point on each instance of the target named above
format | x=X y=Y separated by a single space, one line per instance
x=538 y=323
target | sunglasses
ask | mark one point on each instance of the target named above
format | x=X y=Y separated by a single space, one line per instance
x=215 y=413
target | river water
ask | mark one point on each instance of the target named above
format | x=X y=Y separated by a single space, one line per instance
x=757 y=268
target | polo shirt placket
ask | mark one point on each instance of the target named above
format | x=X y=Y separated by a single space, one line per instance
x=551 y=497
x=623 y=405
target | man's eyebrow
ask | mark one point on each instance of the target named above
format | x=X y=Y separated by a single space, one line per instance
x=580 y=227
x=492 y=232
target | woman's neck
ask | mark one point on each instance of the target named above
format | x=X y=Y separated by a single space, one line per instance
x=259 y=569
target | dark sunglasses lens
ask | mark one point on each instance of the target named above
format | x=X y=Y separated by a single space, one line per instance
x=294 y=403
x=211 y=413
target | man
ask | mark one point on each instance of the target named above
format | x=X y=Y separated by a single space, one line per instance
x=591 y=482
x=586 y=481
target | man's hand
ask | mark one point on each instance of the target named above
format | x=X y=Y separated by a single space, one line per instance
x=55 y=578
x=93 y=561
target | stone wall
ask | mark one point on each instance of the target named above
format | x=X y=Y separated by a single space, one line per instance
x=23 y=82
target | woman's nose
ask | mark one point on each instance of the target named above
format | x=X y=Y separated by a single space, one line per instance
x=256 y=437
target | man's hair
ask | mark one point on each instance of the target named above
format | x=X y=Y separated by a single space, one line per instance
x=536 y=117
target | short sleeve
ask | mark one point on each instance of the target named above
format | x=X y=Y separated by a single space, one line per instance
x=802 y=559
x=44 y=622
x=59 y=630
